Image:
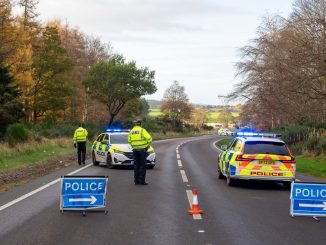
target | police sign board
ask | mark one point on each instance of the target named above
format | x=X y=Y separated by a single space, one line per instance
x=83 y=192
x=308 y=199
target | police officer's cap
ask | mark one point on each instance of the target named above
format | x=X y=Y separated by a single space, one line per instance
x=138 y=122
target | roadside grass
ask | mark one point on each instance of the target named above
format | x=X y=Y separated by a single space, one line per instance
x=226 y=141
x=312 y=165
x=154 y=112
x=28 y=153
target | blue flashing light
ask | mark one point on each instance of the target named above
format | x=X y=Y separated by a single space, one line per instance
x=256 y=134
x=115 y=130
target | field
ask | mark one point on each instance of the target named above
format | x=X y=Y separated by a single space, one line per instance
x=212 y=116
x=154 y=112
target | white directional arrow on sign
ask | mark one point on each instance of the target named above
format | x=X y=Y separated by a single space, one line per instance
x=306 y=205
x=92 y=199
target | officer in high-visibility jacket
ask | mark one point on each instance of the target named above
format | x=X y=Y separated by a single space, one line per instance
x=80 y=137
x=140 y=140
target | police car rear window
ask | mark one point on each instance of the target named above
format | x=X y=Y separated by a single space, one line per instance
x=119 y=139
x=263 y=147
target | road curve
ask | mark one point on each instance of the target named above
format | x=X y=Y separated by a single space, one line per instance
x=253 y=213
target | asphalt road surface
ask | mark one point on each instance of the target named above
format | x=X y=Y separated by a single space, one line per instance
x=253 y=213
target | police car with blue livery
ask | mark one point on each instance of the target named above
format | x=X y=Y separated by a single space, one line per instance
x=112 y=148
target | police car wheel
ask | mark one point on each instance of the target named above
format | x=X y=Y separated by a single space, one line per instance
x=287 y=185
x=94 y=159
x=229 y=180
x=150 y=166
x=220 y=175
x=109 y=161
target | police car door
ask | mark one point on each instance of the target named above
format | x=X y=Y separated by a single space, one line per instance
x=102 y=147
x=230 y=152
x=98 y=148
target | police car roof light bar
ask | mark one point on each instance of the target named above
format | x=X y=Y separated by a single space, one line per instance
x=252 y=134
x=110 y=130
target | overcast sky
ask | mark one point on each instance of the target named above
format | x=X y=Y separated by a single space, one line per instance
x=195 y=42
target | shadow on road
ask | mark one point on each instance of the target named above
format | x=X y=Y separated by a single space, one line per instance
x=260 y=185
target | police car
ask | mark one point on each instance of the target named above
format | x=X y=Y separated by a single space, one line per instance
x=112 y=148
x=224 y=132
x=257 y=156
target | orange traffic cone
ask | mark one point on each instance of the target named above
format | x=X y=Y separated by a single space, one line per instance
x=195 y=207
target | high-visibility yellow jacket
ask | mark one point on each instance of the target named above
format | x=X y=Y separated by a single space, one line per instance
x=80 y=135
x=139 y=138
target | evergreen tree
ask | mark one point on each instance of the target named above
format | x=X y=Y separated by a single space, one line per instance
x=11 y=109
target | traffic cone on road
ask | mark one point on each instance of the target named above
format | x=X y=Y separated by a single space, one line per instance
x=195 y=207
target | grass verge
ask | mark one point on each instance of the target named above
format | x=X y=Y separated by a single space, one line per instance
x=312 y=165
x=29 y=153
x=226 y=141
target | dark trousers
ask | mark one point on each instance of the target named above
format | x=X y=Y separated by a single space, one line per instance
x=81 y=152
x=140 y=166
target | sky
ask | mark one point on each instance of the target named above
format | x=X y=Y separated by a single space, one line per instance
x=195 y=42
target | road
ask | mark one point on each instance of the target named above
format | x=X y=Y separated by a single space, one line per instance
x=253 y=213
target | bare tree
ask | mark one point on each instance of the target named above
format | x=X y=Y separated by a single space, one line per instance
x=175 y=105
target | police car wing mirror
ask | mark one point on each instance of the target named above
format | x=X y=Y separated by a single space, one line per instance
x=224 y=147
x=105 y=142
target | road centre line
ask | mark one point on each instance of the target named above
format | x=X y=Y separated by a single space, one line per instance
x=184 y=176
x=190 y=198
x=39 y=189
x=180 y=163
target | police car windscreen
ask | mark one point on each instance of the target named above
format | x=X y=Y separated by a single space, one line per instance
x=119 y=138
x=264 y=147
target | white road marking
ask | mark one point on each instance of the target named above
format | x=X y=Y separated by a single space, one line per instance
x=180 y=163
x=190 y=197
x=178 y=156
x=184 y=176
x=177 y=151
x=298 y=180
x=201 y=231
x=39 y=189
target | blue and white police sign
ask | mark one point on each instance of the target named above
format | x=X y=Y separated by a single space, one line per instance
x=308 y=199
x=83 y=192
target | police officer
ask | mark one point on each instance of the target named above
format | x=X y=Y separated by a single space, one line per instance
x=140 y=140
x=80 y=142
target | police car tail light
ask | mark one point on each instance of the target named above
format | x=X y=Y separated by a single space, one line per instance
x=292 y=160
x=240 y=158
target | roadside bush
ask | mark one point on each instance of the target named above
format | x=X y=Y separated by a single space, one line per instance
x=297 y=149
x=293 y=134
x=16 y=133
x=312 y=143
x=154 y=124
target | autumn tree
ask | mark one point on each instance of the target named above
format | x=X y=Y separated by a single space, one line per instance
x=283 y=69
x=8 y=33
x=175 y=105
x=199 y=117
x=116 y=82
x=52 y=89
